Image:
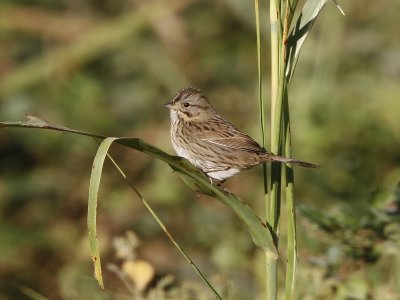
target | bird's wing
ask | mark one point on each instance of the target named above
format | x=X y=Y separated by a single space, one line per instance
x=225 y=135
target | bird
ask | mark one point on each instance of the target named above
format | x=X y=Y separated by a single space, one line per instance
x=210 y=142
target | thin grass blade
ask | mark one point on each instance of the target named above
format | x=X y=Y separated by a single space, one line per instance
x=163 y=227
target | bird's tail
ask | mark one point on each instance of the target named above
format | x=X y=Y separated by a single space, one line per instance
x=271 y=157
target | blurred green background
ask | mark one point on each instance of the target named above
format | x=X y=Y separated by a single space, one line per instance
x=106 y=66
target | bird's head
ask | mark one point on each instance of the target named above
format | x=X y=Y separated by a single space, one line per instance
x=190 y=104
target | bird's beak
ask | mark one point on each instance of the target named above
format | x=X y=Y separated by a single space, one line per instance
x=169 y=105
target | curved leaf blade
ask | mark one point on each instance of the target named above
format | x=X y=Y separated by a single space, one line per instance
x=196 y=180
x=299 y=33
x=94 y=185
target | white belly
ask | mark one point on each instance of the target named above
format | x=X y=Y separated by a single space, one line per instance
x=222 y=175
x=210 y=168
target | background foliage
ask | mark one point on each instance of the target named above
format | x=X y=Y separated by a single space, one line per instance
x=107 y=66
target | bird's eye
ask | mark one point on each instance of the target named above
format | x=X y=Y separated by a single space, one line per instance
x=186 y=104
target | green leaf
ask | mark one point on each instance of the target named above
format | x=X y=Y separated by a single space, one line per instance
x=199 y=182
x=39 y=123
x=299 y=33
x=92 y=206
x=195 y=179
x=93 y=192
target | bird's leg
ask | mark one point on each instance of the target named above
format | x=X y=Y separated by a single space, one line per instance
x=219 y=184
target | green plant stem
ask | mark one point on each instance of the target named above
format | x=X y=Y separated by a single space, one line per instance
x=271 y=202
x=275 y=29
x=260 y=93
x=271 y=263
x=291 y=251
x=277 y=88
x=280 y=128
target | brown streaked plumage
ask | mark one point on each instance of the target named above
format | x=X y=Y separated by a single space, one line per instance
x=212 y=143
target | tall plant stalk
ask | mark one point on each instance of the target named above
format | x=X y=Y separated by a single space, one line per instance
x=260 y=91
x=287 y=38
x=270 y=261
x=281 y=14
x=273 y=200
